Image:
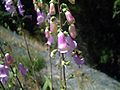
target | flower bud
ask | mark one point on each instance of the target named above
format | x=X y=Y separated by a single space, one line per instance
x=47 y=33
x=53 y=25
x=69 y=17
x=72 y=31
x=62 y=44
x=9 y=59
x=52 y=9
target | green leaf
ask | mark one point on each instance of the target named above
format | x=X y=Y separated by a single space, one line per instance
x=47 y=84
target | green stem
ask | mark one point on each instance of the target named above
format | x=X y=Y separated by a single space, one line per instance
x=64 y=78
x=61 y=69
x=51 y=69
x=2 y=85
x=28 y=51
x=30 y=58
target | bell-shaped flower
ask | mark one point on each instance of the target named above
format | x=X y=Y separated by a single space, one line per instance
x=69 y=17
x=40 y=17
x=20 y=8
x=9 y=59
x=4 y=74
x=52 y=9
x=62 y=44
x=22 y=69
x=9 y=6
x=79 y=60
x=71 y=44
x=50 y=40
x=53 y=25
x=72 y=31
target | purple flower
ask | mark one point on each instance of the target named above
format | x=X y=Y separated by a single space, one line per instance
x=79 y=60
x=4 y=73
x=9 y=59
x=62 y=44
x=20 y=8
x=40 y=16
x=22 y=69
x=69 y=17
x=50 y=40
x=71 y=44
x=9 y=6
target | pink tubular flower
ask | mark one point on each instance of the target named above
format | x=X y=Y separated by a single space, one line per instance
x=40 y=17
x=71 y=44
x=9 y=59
x=50 y=40
x=53 y=26
x=62 y=44
x=69 y=17
x=52 y=9
x=72 y=31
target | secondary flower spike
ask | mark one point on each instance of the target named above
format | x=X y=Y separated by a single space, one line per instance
x=69 y=17
x=62 y=44
x=72 y=31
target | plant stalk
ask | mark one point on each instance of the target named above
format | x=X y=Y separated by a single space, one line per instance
x=50 y=68
x=2 y=85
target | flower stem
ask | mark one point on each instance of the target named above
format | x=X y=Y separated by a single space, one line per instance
x=50 y=68
x=64 y=78
x=2 y=85
x=30 y=58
